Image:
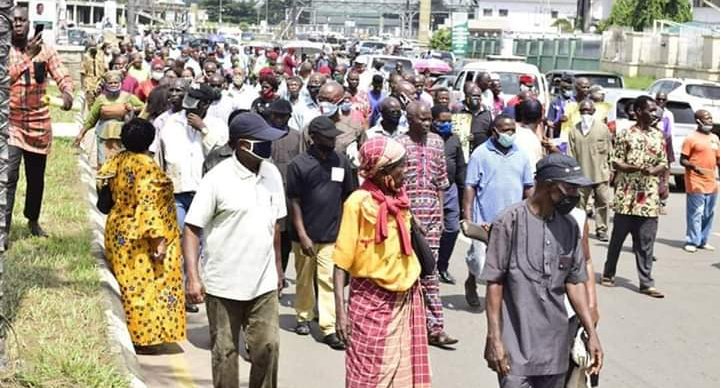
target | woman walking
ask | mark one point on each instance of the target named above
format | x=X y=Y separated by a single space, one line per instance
x=142 y=241
x=384 y=325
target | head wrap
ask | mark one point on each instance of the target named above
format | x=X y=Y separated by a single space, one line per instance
x=111 y=74
x=376 y=153
x=379 y=152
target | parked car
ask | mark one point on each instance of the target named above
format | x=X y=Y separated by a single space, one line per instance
x=444 y=81
x=700 y=94
x=509 y=72
x=388 y=60
x=618 y=120
x=77 y=37
x=371 y=47
x=605 y=79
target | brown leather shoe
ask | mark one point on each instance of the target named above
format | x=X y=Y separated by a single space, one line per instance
x=472 y=292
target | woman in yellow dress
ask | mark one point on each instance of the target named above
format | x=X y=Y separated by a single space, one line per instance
x=142 y=240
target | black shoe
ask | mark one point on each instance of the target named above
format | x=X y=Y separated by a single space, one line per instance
x=603 y=237
x=334 y=342
x=446 y=277
x=471 y=292
x=191 y=308
x=36 y=230
x=303 y=328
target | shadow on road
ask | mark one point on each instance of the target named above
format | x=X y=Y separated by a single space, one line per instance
x=620 y=282
x=166 y=376
x=671 y=243
x=458 y=303
x=199 y=336
x=716 y=265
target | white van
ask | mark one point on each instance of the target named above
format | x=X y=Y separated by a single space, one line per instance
x=509 y=72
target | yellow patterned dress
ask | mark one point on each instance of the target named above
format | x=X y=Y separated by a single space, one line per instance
x=151 y=290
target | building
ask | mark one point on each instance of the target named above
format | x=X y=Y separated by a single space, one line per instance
x=520 y=15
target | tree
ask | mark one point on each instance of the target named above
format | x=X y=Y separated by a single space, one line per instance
x=233 y=12
x=640 y=14
x=441 y=40
x=564 y=25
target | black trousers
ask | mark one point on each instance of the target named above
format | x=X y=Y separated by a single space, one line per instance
x=643 y=232
x=285 y=249
x=35 y=176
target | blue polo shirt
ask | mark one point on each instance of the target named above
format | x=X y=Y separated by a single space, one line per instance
x=499 y=179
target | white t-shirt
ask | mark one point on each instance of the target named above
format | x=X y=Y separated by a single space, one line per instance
x=580 y=217
x=528 y=142
x=237 y=211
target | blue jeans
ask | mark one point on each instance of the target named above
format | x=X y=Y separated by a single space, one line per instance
x=700 y=210
x=182 y=205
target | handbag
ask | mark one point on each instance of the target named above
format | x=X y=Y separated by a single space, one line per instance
x=423 y=252
x=475 y=231
x=105 y=196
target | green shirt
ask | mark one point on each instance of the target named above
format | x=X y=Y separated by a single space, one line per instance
x=592 y=150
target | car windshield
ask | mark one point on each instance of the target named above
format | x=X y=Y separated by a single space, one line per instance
x=682 y=112
x=621 y=107
x=607 y=81
x=374 y=45
x=703 y=91
x=509 y=83
x=75 y=34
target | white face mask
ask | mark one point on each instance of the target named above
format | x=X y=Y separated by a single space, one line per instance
x=157 y=75
x=587 y=120
x=328 y=109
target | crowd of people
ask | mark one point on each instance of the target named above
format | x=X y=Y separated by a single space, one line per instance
x=230 y=161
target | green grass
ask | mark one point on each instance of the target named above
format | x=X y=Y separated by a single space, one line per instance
x=641 y=82
x=52 y=290
x=58 y=115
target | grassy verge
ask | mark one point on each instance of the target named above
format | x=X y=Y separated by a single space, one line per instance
x=58 y=115
x=641 y=82
x=52 y=290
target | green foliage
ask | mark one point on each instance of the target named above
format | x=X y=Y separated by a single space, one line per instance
x=640 y=14
x=441 y=40
x=640 y=82
x=563 y=24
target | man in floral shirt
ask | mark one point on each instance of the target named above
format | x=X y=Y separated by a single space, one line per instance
x=639 y=160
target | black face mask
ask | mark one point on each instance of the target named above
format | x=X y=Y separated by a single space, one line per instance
x=392 y=119
x=324 y=148
x=262 y=149
x=567 y=203
x=313 y=90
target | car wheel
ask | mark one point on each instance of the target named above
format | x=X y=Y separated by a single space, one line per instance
x=678 y=183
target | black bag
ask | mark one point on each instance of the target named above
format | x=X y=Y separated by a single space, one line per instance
x=105 y=198
x=423 y=252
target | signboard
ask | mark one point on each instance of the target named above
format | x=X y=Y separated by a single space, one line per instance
x=459 y=33
x=110 y=11
x=43 y=12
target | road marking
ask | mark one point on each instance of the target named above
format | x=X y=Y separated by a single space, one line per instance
x=181 y=370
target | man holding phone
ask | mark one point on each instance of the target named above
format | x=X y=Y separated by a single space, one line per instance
x=30 y=129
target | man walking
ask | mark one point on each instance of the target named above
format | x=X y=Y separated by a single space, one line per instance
x=590 y=144
x=426 y=181
x=700 y=157
x=498 y=175
x=319 y=180
x=639 y=161
x=534 y=261
x=391 y=113
x=30 y=132
x=236 y=210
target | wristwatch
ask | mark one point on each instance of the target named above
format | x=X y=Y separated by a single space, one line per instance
x=204 y=131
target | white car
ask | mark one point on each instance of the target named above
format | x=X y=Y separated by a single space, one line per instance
x=509 y=72
x=389 y=62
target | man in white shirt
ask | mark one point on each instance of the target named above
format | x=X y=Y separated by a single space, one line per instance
x=529 y=114
x=242 y=94
x=186 y=139
x=236 y=210
x=387 y=126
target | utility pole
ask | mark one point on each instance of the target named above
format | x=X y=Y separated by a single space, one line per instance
x=130 y=14
x=220 y=13
x=6 y=14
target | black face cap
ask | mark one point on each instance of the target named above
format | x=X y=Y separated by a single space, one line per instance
x=558 y=167
x=323 y=126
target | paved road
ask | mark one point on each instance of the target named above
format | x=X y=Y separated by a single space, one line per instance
x=667 y=343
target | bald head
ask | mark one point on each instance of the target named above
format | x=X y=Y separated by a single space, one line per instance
x=583 y=87
x=586 y=107
x=390 y=104
x=420 y=118
x=704 y=120
x=332 y=92
x=484 y=81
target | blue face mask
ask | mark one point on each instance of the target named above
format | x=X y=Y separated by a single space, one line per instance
x=506 y=140
x=346 y=106
x=444 y=128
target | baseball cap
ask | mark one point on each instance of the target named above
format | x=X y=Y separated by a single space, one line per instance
x=197 y=93
x=561 y=168
x=323 y=126
x=280 y=106
x=253 y=127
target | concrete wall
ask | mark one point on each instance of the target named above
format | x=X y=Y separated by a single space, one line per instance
x=522 y=15
x=685 y=55
x=72 y=57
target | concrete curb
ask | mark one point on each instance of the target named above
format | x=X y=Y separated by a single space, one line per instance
x=120 y=344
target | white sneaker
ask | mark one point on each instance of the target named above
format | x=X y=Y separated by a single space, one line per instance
x=689 y=248
x=708 y=247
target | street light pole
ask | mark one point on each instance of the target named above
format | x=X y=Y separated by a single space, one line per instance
x=220 y=13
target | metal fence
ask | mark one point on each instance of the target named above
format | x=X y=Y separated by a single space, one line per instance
x=568 y=53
